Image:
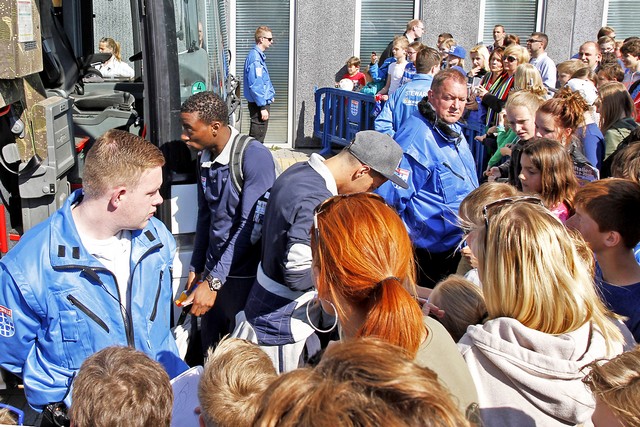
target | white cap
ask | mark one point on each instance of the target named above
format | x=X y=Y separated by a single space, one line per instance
x=586 y=89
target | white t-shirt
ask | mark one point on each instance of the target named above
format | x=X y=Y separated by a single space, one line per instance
x=396 y=71
x=115 y=254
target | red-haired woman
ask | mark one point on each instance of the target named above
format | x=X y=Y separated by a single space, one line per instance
x=363 y=264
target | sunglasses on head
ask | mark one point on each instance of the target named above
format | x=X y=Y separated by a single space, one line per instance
x=332 y=201
x=503 y=202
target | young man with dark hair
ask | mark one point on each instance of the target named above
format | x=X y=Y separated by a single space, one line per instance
x=97 y=273
x=223 y=259
x=631 y=59
x=121 y=386
x=606 y=214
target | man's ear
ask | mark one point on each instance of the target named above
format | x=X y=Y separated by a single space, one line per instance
x=118 y=194
x=613 y=239
x=362 y=171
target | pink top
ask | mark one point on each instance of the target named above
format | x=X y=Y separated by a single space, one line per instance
x=561 y=211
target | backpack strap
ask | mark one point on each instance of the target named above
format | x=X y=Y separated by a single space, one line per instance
x=240 y=143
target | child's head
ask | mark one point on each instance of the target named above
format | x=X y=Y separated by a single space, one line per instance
x=470 y=210
x=521 y=110
x=413 y=50
x=528 y=77
x=427 y=60
x=607 y=213
x=479 y=55
x=456 y=56
x=234 y=378
x=615 y=104
x=353 y=65
x=616 y=388
x=586 y=73
x=607 y=44
x=566 y=69
x=399 y=48
x=626 y=162
x=612 y=72
x=560 y=116
x=445 y=45
x=547 y=170
x=462 y=302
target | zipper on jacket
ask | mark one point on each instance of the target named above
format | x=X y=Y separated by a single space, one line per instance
x=155 y=304
x=83 y=308
x=448 y=166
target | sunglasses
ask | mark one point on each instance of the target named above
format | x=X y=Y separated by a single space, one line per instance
x=504 y=202
x=510 y=58
x=322 y=207
x=534 y=41
x=268 y=38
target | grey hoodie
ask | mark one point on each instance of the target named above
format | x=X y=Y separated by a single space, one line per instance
x=526 y=377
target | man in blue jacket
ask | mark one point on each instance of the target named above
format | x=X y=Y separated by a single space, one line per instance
x=404 y=102
x=258 y=90
x=223 y=256
x=440 y=171
x=97 y=273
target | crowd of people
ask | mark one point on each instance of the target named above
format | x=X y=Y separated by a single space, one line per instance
x=390 y=284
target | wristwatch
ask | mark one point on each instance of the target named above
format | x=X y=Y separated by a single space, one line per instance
x=214 y=283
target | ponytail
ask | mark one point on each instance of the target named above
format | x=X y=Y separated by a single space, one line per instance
x=394 y=315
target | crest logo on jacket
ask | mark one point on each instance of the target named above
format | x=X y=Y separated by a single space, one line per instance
x=7 y=328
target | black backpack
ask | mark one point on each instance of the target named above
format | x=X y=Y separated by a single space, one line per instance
x=238 y=147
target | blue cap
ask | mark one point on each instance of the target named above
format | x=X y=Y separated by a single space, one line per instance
x=458 y=51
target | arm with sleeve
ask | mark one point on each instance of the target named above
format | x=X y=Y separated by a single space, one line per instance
x=384 y=121
x=257 y=81
x=259 y=175
x=297 y=260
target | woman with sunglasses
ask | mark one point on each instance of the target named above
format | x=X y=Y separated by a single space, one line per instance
x=546 y=320
x=363 y=265
x=495 y=97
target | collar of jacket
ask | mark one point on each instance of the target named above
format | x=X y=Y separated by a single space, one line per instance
x=445 y=130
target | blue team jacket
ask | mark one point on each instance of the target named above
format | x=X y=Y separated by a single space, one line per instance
x=402 y=104
x=257 y=83
x=59 y=305
x=440 y=172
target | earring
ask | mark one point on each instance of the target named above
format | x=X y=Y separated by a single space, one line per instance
x=318 y=310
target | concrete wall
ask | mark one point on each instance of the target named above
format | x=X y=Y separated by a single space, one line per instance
x=324 y=40
x=571 y=23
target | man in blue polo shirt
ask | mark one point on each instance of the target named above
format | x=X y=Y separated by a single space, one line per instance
x=223 y=258
x=258 y=89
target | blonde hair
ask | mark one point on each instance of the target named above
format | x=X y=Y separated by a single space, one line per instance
x=113 y=45
x=481 y=50
x=401 y=42
x=234 y=378
x=6 y=418
x=525 y=98
x=518 y=52
x=360 y=383
x=261 y=31
x=531 y=271
x=462 y=302
x=617 y=384
x=528 y=77
x=470 y=211
x=118 y=158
